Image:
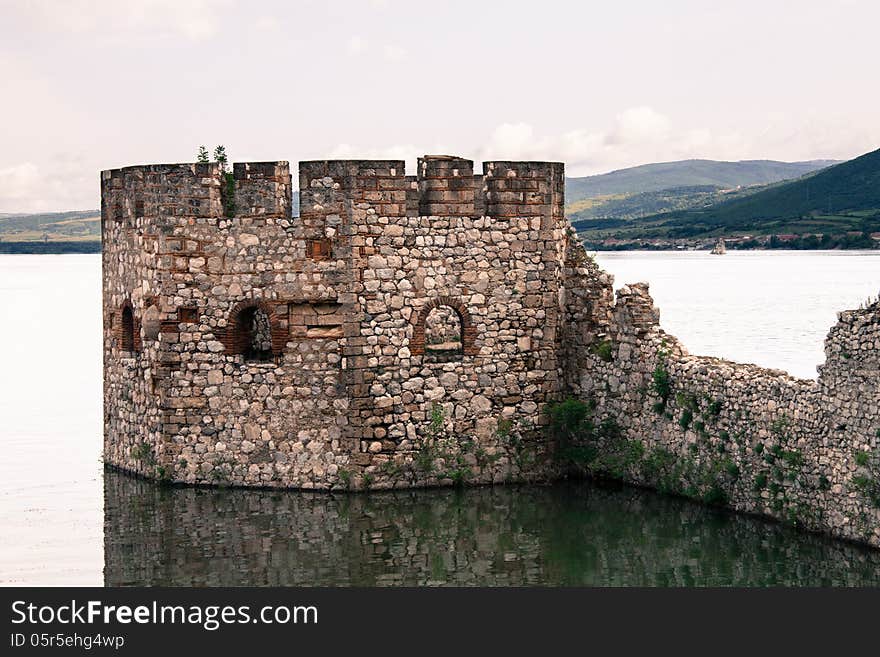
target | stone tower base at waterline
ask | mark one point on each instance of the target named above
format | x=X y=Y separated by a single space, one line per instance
x=420 y=330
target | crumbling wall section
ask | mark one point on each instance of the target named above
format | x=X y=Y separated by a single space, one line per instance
x=738 y=435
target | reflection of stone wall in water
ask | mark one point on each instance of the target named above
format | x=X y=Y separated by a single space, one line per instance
x=561 y=535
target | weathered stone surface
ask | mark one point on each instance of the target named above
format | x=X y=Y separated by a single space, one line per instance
x=405 y=329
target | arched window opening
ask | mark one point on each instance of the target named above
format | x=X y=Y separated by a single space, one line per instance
x=254 y=335
x=444 y=338
x=127 y=329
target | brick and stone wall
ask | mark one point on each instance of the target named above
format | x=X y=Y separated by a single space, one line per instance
x=246 y=346
x=290 y=352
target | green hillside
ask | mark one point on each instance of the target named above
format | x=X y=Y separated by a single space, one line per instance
x=620 y=211
x=80 y=225
x=844 y=197
x=687 y=173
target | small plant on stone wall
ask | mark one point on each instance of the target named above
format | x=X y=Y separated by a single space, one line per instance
x=685 y=420
x=513 y=435
x=203 y=156
x=344 y=478
x=583 y=447
x=162 y=474
x=427 y=455
x=866 y=481
x=604 y=349
x=504 y=427
x=779 y=426
x=221 y=473
x=228 y=179
x=572 y=430
x=660 y=381
x=143 y=453
x=441 y=454
x=868 y=487
x=389 y=468
x=679 y=474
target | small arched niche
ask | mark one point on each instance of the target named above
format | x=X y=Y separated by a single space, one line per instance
x=443 y=331
x=444 y=338
x=251 y=333
x=256 y=334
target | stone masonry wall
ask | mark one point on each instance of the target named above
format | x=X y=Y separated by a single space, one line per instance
x=340 y=392
x=245 y=346
x=757 y=440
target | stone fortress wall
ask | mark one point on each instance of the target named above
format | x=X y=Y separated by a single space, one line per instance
x=345 y=389
x=247 y=347
x=757 y=440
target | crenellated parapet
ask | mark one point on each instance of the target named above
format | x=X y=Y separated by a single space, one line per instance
x=444 y=185
x=261 y=189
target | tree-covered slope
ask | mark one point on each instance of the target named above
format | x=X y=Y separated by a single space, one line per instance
x=850 y=189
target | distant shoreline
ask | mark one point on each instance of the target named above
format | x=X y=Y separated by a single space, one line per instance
x=50 y=248
x=668 y=249
x=94 y=246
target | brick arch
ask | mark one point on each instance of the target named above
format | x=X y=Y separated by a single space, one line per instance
x=468 y=330
x=236 y=341
x=127 y=328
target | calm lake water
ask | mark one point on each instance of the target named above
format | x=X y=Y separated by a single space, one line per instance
x=66 y=522
x=771 y=308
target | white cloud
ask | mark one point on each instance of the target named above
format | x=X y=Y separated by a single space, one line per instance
x=356 y=45
x=639 y=124
x=641 y=135
x=192 y=19
x=635 y=136
x=266 y=24
x=68 y=185
x=393 y=53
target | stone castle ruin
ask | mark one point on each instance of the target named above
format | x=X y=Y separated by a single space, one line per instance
x=411 y=331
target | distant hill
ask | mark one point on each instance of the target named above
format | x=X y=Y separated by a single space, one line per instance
x=687 y=173
x=625 y=210
x=51 y=226
x=841 y=198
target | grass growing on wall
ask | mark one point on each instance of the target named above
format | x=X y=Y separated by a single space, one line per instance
x=600 y=449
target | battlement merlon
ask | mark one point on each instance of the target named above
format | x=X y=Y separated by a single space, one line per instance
x=444 y=185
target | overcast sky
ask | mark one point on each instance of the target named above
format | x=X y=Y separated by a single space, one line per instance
x=96 y=84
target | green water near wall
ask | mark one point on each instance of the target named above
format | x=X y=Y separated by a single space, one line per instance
x=565 y=534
